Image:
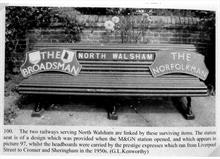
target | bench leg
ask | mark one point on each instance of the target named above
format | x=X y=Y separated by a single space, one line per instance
x=189 y=114
x=184 y=108
x=37 y=112
x=112 y=113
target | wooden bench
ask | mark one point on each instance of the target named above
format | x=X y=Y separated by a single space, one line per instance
x=121 y=77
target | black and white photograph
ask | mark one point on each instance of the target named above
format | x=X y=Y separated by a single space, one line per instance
x=109 y=66
x=110 y=79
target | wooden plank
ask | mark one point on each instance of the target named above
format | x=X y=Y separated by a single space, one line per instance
x=113 y=81
x=115 y=76
x=56 y=74
x=147 y=74
x=116 y=94
x=115 y=64
x=110 y=80
x=111 y=73
x=116 y=46
x=52 y=77
x=115 y=69
x=161 y=91
x=116 y=85
x=112 y=85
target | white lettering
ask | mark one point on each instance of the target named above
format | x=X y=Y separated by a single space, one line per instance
x=42 y=55
x=103 y=56
x=50 y=54
x=24 y=72
x=30 y=70
x=48 y=65
x=75 y=70
x=150 y=56
x=42 y=67
x=162 y=68
x=35 y=68
x=138 y=56
x=60 y=66
x=156 y=70
x=115 y=56
x=58 y=55
x=188 y=56
x=54 y=65
x=67 y=68
x=80 y=55
x=132 y=56
x=120 y=56
x=174 y=55
x=181 y=56
x=178 y=67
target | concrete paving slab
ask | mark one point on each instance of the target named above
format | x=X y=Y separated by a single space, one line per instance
x=141 y=112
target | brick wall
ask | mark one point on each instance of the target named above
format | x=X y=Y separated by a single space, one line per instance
x=162 y=29
x=169 y=29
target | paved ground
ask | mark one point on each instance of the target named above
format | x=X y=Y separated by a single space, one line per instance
x=91 y=111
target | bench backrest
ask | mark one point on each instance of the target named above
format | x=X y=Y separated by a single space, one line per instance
x=123 y=67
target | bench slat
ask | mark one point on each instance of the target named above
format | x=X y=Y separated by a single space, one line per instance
x=116 y=46
x=112 y=90
x=115 y=69
x=109 y=75
x=115 y=63
x=112 y=85
x=115 y=94
x=54 y=76
x=113 y=82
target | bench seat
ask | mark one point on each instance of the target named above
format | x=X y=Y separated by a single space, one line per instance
x=112 y=85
